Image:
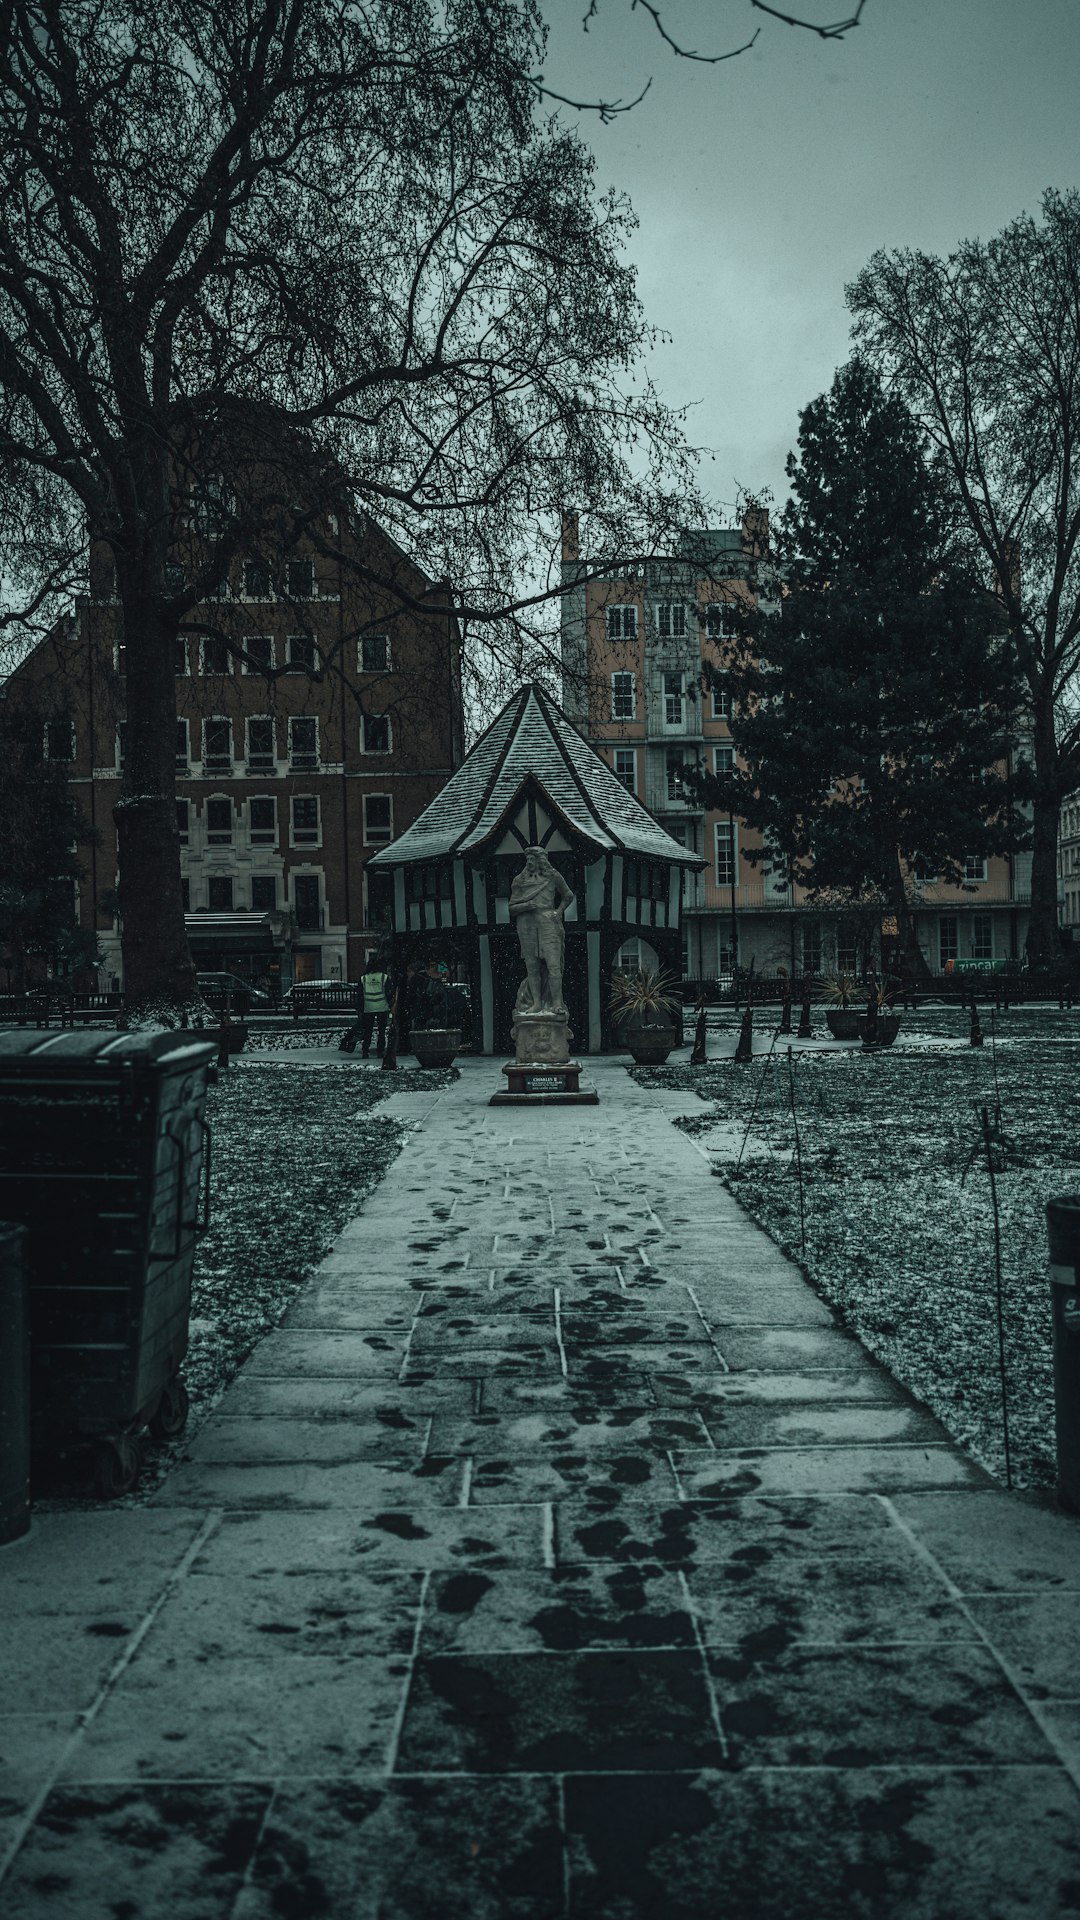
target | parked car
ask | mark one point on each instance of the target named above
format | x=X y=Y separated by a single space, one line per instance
x=243 y=998
x=320 y=996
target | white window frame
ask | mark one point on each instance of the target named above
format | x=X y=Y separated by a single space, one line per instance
x=721 y=702
x=294 y=666
x=982 y=923
x=628 y=755
x=214 y=878
x=379 y=839
x=725 y=754
x=219 y=761
x=974 y=861
x=253 y=672
x=721 y=620
x=301 y=560
x=214 y=673
x=376 y=753
x=183 y=763
x=261 y=836
x=621 y=621
x=309 y=839
x=675 y=764
x=671 y=620
x=305 y=762
x=385 y=638
x=184 y=673
x=948 y=919
x=624 y=673
x=251 y=892
x=257 y=599
x=217 y=839
x=267 y=764
x=670 y=725
x=722 y=829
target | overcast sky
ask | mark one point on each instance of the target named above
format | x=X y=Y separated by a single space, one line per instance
x=764 y=184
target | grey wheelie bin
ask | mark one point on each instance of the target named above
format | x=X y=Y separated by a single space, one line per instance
x=105 y=1159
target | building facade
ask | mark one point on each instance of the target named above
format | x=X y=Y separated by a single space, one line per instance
x=1069 y=869
x=635 y=654
x=315 y=721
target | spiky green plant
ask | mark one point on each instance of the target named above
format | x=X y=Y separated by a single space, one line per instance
x=644 y=996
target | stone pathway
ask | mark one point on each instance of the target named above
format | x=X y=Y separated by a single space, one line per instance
x=557 y=1556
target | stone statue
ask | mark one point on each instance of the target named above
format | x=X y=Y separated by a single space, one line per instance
x=539 y=898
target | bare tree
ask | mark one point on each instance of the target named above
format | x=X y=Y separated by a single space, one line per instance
x=985 y=348
x=263 y=262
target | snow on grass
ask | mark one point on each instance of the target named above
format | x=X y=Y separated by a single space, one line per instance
x=898 y=1221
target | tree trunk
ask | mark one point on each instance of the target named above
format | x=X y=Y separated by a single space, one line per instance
x=1042 y=942
x=158 y=972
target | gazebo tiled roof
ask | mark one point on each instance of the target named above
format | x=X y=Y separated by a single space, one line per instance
x=533 y=737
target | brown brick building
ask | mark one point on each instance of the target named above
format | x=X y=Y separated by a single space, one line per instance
x=319 y=711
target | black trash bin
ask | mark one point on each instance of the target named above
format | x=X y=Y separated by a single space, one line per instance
x=14 y=1387
x=105 y=1159
x=1063 y=1221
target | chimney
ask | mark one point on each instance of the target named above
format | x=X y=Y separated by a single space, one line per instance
x=571 y=546
x=755 y=530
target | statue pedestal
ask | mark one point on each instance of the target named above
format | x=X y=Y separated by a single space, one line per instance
x=542 y=1072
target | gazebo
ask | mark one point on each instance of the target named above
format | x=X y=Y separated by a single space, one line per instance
x=443 y=888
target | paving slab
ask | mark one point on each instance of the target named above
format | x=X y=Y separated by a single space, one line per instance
x=557 y=1555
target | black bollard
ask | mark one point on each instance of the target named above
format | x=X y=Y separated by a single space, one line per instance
x=698 y=1057
x=389 y=1059
x=1063 y=1222
x=976 y=1038
x=745 y=1049
x=806 y=1031
x=871 y=1036
x=785 y=1009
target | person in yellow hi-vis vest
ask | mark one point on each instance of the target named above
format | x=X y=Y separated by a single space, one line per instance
x=375 y=986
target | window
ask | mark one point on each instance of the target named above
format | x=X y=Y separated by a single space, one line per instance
x=622 y=623
x=673 y=699
x=378 y=819
x=261 y=746
x=671 y=620
x=375 y=653
x=303 y=741
x=676 y=767
x=217 y=743
x=847 y=950
x=811 y=949
x=306 y=900
x=262 y=820
x=925 y=874
x=213 y=505
x=219 y=893
x=721 y=700
x=626 y=767
x=263 y=893
x=180 y=658
x=219 y=823
x=301 y=653
x=305 y=820
x=256 y=580
x=259 y=652
x=183 y=747
x=300 y=576
x=974 y=867
x=721 y=620
x=216 y=657
x=185 y=894
x=121 y=745
x=217 y=590
x=724 y=759
x=183 y=821
x=623 y=698
x=726 y=850
x=982 y=936
x=59 y=740
x=375 y=733
x=948 y=941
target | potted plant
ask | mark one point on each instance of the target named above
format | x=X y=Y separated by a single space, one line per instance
x=644 y=1008
x=841 y=1015
x=433 y=1040
x=887 y=1021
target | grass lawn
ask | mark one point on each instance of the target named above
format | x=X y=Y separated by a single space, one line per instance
x=898 y=1220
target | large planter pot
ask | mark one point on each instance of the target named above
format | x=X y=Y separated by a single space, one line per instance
x=649 y=1046
x=435 y=1046
x=844 y=1023
x=888 y=1026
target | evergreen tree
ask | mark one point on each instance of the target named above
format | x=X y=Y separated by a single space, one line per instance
x=872 y=696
